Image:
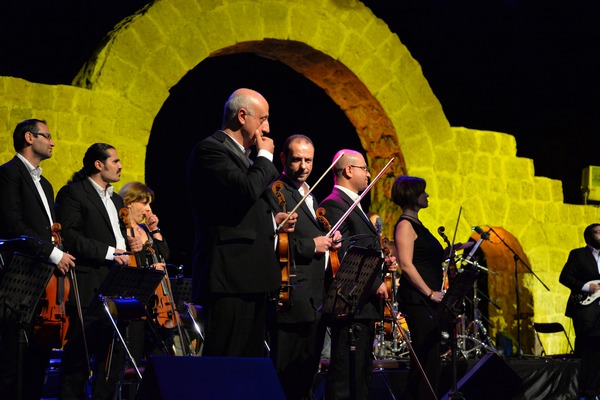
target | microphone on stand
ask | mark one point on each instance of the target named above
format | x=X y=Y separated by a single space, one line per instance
x=484 y=235
x=378 y=225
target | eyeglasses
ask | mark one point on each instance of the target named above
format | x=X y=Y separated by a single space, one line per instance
x=44 y=134
x=363 y=167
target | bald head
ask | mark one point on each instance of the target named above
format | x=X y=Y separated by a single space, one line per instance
x=351 y=171
x=247 y=99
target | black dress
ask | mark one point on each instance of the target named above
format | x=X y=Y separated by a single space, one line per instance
x=420 y=311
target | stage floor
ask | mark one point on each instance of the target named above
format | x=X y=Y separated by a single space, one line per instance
x=490 y=377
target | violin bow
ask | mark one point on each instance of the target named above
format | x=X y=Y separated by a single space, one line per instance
x=363 y=194
x=307 y=194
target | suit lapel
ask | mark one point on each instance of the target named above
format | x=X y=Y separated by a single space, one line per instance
x=95 y=199
x=29 y=182
x=344 y=197
x=230 y=144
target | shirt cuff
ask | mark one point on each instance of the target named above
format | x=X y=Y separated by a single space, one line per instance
x=266 y=154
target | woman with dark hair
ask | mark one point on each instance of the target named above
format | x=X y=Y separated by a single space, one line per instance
x=420 y=256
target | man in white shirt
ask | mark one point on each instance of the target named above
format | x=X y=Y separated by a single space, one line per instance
x=27 y=209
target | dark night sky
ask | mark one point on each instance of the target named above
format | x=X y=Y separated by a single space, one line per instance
x=528 y=68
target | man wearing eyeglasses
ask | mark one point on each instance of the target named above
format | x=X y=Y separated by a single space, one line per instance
x=351 y=177
x=581 y=274
x=27 y=208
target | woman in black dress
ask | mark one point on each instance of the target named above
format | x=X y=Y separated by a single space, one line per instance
x=420 y=256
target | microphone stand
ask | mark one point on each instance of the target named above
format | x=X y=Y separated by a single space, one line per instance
x=517 y=258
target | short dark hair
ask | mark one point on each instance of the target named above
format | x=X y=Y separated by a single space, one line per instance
x=29 y=125
x=407 y=189
x=97 y=151
x=289 y=140
x=588 y=233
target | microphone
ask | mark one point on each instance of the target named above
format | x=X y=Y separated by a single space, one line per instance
x=378 y=225
x=484 y=235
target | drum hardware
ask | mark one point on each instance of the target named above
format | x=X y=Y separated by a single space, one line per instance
x=473 y=338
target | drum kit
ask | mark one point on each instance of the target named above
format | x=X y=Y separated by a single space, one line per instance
x=472 y=336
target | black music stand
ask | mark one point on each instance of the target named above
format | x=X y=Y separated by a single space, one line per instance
x=128 y=282
x=449 y=310
x=21 y=287
x=191 y=314
x=182 y=291
x=349 y=292
x=123 y=290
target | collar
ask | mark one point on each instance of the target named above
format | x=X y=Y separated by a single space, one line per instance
x=353 y=195
x=35 y=172
x=245 y=151
x=101 y=191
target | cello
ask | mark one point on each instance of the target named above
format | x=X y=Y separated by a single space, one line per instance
x=53 y=320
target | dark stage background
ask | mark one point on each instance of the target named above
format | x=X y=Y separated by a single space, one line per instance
x=527 y=68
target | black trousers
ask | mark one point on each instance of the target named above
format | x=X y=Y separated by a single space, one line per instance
x=236 y=325
x=348 y=368
x=296 y=353
x=21 y=354
x=425 y=338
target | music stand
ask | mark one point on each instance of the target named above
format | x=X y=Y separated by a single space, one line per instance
x=127 y=282
x=349 y=292
x=181 y=288
x=451 y=307
x=21 y=287
x=128 y=287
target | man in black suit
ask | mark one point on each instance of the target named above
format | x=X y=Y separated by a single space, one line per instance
x=298 y=338
x=582 y=267
x=87 y=208
x=27 y=208
x=235 y=271
x=351 y=176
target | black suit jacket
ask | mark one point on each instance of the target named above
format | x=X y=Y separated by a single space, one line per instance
x=307 y=270
x=234 y=229
x=580 y=268
x=357 y=224
x=21 y=209
x=87 y=233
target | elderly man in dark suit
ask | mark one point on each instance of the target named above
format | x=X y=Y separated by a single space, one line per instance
x=581 y=274
x=27 y=208
x=235 y=271
x=87 y=208
x=351 y=177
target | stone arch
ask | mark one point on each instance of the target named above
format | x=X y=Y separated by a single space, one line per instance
x=340 y=46
x=501 y=262
x=117 y=95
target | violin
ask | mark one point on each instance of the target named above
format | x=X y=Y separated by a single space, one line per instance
x=124 y=215
x=334 y=258
x=54 y=323
x=283 y=252
x=389 y=280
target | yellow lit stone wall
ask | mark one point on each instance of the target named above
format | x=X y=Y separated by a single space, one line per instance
x=364 y=68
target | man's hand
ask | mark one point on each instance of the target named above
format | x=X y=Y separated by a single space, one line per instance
x=382 y=292
x=67 y=261
x=135 y=244
x=264 y=142
x=289 y=225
